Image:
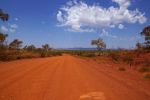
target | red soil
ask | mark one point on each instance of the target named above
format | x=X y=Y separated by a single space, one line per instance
x=69 y=78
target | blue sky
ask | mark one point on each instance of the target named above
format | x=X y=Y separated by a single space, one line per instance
x=44 y=21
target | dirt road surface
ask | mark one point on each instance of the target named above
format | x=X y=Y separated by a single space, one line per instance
x=69 y=78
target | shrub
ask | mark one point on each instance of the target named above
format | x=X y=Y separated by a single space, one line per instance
x=128 y=59
x=55 y=53
x=147 y=63
x=144 y=69
x=115 y=56
x=8 y=57
x=147 y=75
x=88 y=55
x=43 y=54
x=121 y=69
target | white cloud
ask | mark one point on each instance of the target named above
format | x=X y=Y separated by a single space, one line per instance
x=11 y=28
x=59 y=16
x=80 y=30
x=104 y=33
x=14 y=26
x=70 y=3
x=120 y=26
x=4 y=29
x=123 y=3
x=81 y=17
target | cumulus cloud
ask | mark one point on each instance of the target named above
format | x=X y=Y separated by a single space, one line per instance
x=81 y=17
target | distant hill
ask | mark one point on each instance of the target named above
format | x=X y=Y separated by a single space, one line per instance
x=90 y=49
x=76 y=48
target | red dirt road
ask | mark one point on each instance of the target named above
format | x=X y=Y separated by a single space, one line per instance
x=69 y=78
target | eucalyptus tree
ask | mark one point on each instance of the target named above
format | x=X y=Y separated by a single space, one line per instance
x=15 y=44
x=99 y=43
x=3 y=16
x=3 y=38
x=146 y=33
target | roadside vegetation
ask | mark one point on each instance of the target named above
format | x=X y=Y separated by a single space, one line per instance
x=136 y=59
x=14 y=50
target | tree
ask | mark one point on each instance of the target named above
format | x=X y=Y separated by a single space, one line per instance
x=45 y=50
x=3 y=16
x=45 y=47
x=3 y=45
x=2 y=38
x=30 y=48
x=99 y=43
x=139 y=45
x=15 y=44
x=146 y=34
